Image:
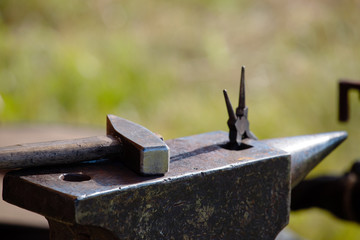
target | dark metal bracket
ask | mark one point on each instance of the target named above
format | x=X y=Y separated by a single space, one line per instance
x=344 y=87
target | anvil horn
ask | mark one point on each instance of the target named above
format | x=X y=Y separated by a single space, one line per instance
x=307 y=151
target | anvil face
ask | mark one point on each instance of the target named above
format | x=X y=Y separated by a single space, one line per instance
x=209 y=193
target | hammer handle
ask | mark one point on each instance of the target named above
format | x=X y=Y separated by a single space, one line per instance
x=58 y=152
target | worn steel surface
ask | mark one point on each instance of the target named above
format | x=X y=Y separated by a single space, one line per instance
x=139 y=148
x=209 y=193
x=307 y=151
x=142 y=150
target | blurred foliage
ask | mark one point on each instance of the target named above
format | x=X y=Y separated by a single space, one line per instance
x=163 y=64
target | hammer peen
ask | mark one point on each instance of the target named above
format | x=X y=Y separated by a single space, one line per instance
x=139 y=148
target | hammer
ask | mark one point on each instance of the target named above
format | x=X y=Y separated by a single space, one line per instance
x=139 y=149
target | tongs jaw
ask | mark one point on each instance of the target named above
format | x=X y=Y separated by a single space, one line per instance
x=238 y=123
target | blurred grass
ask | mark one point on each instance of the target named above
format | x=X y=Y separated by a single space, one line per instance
x=163 y=64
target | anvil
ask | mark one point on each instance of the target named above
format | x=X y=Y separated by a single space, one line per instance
x=210 y=192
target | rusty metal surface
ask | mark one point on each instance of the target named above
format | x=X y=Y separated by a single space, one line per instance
x=344 y=87
x=209 y=192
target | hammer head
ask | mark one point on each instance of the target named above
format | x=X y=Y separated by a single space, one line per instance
x=142 y=150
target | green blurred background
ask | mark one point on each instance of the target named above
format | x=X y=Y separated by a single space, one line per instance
x=163 y=64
